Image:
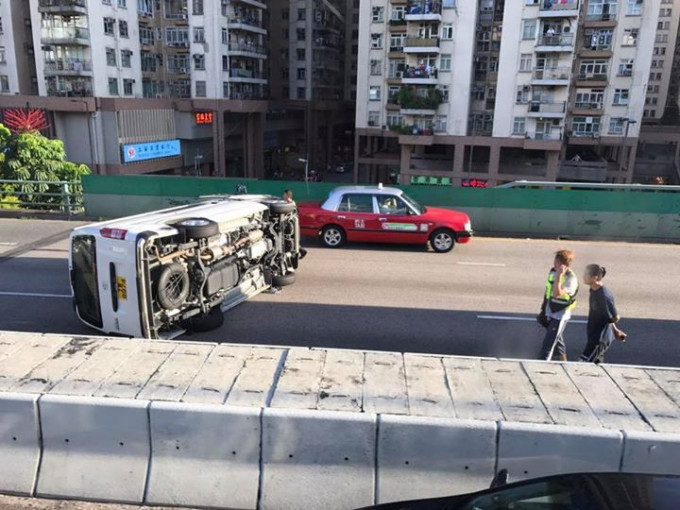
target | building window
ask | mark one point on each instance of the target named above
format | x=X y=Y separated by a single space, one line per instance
x=225 y=63
x=377 y=16
x=301 y=34
x=665 y=12
x=630 y=37
x=447 y=31
x=525 y=62
x=585 y=126
x=376 y=41
x=4 y=84
x=373 y=119
x=396 y=43
x=599 y=10
x=634 y=7
x=659 y=51
x=302 y=14
x=621 y=97
x=285 y=14
x=374 y=93
x=225 y=36
x=128 y=87
x=445 y=62
x=2 y=54
x=522 y=95
x=440 y=123
x=661 y=38
x=111 y=57
x=199 y=62
x=626 y=67
x=225 y=89
x=113 y=86
x=301 y=93
x=663 y=25
x=301 y=73
x=376 y=67
x=594 y=69
x=396 y=14
x=301 y=55
x=198 y=11
x=177 y=36
x=123 y=28
x=109 y=24
x=616 y=126
x=122 y=4
x=444 y=89
x=126 y=58
x=393 y=120
x=529 y=29
x=200 y=88
x=519 y=126
x=199 y=35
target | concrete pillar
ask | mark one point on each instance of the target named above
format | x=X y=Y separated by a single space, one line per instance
x=220 y=167
x=494 y=161
x=459 y=160
x=630 y=161
x=405 y=168
x=553 y=166
x=357 y=141
x=329 y=138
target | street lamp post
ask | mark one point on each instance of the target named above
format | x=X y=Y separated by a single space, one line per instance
x=306 y=162
x=624 y=140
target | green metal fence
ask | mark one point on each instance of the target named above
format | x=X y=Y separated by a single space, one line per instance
x=57 y=196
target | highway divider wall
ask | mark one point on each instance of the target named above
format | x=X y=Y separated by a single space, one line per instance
x=602 y=214
x=168 y=453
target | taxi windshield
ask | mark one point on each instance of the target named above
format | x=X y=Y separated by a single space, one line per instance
x=420 y=209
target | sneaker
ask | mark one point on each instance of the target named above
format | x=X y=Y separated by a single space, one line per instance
x=272 y=290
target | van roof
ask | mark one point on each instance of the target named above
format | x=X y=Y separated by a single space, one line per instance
x=217 y=209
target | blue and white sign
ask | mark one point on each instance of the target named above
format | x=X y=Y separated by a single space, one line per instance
x=134 y=152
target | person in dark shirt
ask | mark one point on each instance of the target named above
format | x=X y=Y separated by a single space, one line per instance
x=602 y=316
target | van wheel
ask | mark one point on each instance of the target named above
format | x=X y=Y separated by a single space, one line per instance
x=207 y=321
x=283 y=280
x=173 y=286
x=281 y=207
x=196 y=228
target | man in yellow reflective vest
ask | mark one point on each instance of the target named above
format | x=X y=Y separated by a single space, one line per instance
x=558 y=302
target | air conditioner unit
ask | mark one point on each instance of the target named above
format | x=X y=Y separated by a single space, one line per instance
x=183 y=70
x=182 y=16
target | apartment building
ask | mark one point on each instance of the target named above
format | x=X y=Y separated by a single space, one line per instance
x=17 y=65
x=495 y=91
x=312 y=114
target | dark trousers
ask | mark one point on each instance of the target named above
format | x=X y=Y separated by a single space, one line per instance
x=553 y=341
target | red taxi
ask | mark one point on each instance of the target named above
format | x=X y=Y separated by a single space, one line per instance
x=376 y=214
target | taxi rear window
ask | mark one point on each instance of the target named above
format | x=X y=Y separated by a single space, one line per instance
x=359 y=203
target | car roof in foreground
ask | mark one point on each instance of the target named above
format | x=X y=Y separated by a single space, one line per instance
x=367 y=189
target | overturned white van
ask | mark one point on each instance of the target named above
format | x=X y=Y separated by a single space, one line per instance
x=159 y=274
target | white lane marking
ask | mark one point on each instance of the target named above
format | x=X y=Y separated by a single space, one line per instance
x=529 y=319
x=34 y=294
x=490 y=264
x=8 y=244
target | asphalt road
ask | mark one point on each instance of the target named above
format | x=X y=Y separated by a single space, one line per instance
x=479 y=300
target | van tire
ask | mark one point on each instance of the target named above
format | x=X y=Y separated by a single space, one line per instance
x=214 y=319
x=283 y=280
x=173 y=286
x=197 y=228
x=281 y=207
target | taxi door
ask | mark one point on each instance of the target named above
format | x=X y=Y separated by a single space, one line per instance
x=396 y=223
x=356 y=214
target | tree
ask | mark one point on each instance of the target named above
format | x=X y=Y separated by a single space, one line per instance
x=29 y=156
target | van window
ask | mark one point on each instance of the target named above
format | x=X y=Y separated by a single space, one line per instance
x=84 y=278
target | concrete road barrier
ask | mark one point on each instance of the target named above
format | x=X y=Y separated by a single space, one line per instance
x=260 y=428
x=204 y=455
x=94 y=448
x=19 y=442
x=530 y=450
x=433 y=457
x=317 y=459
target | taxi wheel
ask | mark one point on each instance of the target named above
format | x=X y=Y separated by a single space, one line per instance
x=442 y=240
x=333 y=236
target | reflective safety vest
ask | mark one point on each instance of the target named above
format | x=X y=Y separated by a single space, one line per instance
x=566 y=301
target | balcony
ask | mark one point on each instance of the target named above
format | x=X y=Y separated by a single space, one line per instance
x=551 y=76
x=604 y=16
x=63 y=7
x=424 y=11
x=237 y=75
x=591 y=80
x=555 y=42
x=247 y=24
x=547 y=110
x=246 y=49
x=253 y=3
x=553 y=9
x=75 y=36
x=421 y=45
x=419 y=76
x=68 y=67
x=585 y=134
x=61 y=86
x=397 y=25
x=550 y=137
x=588 y=108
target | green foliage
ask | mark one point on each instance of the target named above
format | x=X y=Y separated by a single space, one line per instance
x=30 y=156
x=407 y=97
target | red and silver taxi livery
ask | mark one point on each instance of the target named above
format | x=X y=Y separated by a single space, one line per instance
x=378 y=214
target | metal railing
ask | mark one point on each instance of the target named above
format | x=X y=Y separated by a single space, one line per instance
x=556 y=40
x=588 y=105
x=422 y=8
x=422 y=42
x=68 y=64
x=589 y=185
x=64 y=33
x=62 y=3
x=547 y=5
x=246 y=73
x=546 y=107
x=551 y=73
x=59 y=196
x=247 y=47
